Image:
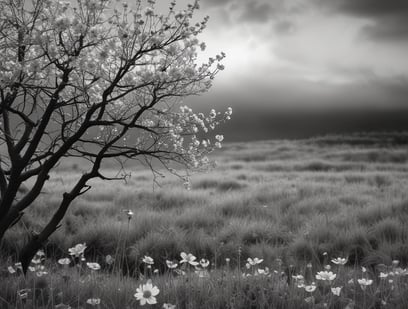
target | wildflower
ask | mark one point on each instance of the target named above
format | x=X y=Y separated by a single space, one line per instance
x=78 y=250
x=40 y=271
x=325 y=276
x=336 y=291
x=339 y=261
x=363 y=269
x=36 y=261
x=383 y=275
x=188 y=258
x=23 y=294
x=146 y=294
x=204 y=263
x=227 y=260
x=148 y=260
x=327 y=267
x=169 y=306
x=31 y=268
x=93 y=266
x=254 y=261
x=300 y=281
x=395 y=263
x=310 y=288
x=298 y=277
x=93 y=301
x=171 y=264
x=11 y=270
x=64 y=261
x=263 y=271
x=129 y=213
x=364 y=282
x=400 y=272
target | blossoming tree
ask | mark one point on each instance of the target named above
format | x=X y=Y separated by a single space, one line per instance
x=96 y=80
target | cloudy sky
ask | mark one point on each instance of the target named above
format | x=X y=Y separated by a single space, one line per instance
x=301 y=67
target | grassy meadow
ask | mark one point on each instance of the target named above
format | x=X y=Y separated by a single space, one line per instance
x=294 y=204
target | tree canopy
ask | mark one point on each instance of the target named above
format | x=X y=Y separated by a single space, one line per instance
x=98 y=80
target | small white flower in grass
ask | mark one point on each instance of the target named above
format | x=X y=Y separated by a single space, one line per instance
x=148 y=260
x=78 y=250
x=36 y=261
x=93 y=266
x=364 y=282
x=168 y=306
x=171 y=264
x=23 y=294
x=146 y=294
x=40 y=271
x=336 y=291
x=383 y=275
x=204 y=263
x=18 y=266
x=188 y=258
x=327 y=267
x=363 y=269
x=325 y=276
x=129 y=213
x=310 y=288
x=264 y=271
x=31 y=268
x=93 y=301
x=11 y=270
x=254 y=261
x=64 y=261
x=40 y=253
x=339 y=261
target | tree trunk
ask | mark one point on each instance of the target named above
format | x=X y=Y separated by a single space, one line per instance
x=28 y=251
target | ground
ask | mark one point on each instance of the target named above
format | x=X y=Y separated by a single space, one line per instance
x=298 y=202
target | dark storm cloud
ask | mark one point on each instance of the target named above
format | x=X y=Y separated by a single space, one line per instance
x=257 y=12
x=389 y=17
x=210 y=3
x=369 y=8
x=284 y=27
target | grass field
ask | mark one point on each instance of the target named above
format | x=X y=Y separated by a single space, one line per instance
x=291 y=203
